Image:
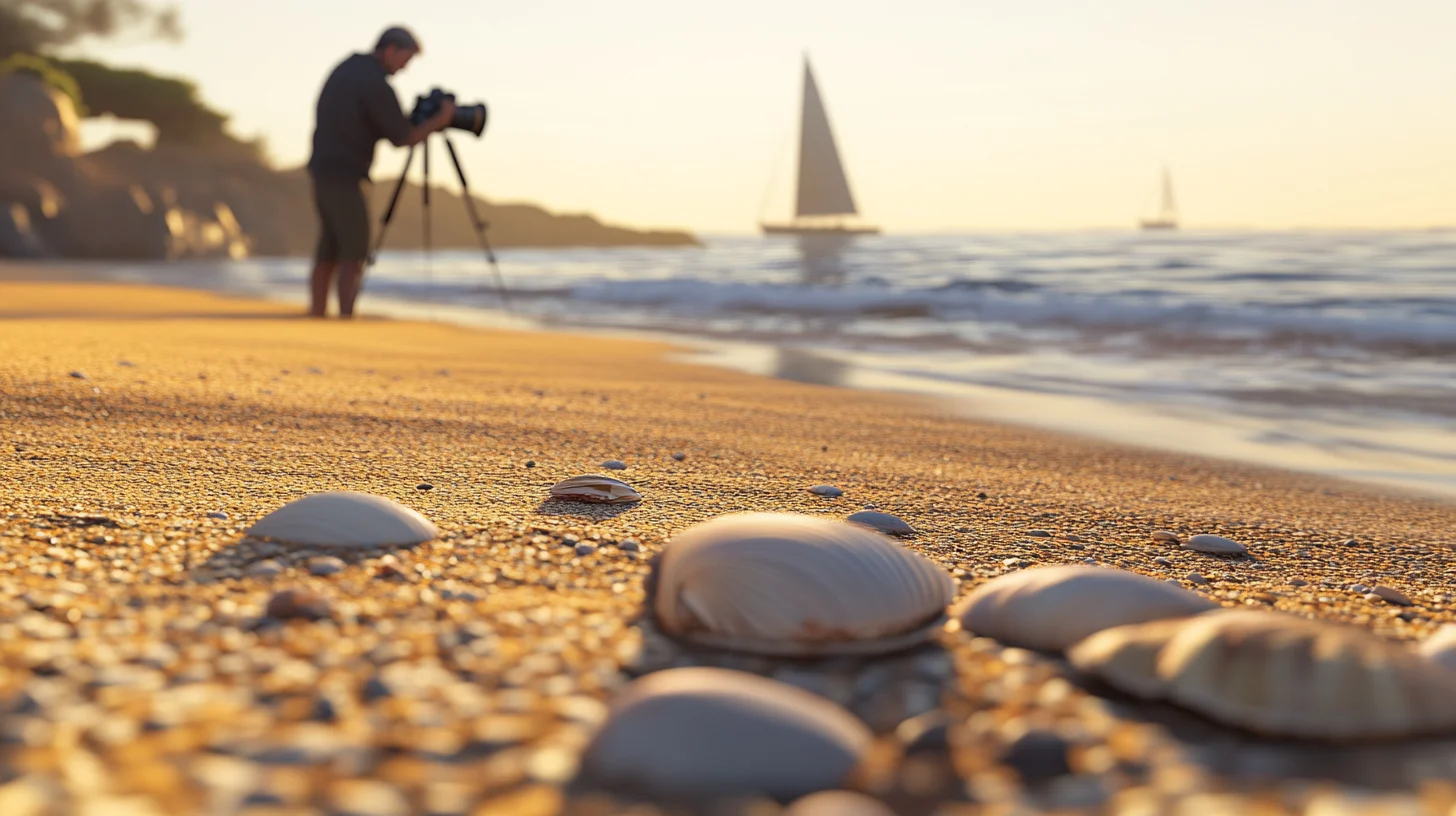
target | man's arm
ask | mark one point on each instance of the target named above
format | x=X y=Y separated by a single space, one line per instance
x=383 y=108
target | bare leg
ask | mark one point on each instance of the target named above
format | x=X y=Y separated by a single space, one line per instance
x=351 y=274
x=323 y=274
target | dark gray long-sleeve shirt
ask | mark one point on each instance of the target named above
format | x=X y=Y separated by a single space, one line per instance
x=356 y=108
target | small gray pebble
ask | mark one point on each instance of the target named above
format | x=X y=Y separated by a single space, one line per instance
x=569 y=540
x=1038 y=533
x=1161 y=560
x=326 y=565
x=265 y=569
x=1351 y=542
x=217 y=515
x=827 y=491
x=679 y=456
x=614 y=464
x=530 y=463
x=1195 y=578
x=630 y=545
x=80 y=375
x=585 y=549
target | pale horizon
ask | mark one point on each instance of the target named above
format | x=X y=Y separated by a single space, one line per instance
x=950 y=116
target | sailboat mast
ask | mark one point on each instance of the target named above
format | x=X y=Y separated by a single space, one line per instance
x=1169 y=207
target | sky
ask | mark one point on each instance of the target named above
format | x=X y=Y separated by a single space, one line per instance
x=951 y=115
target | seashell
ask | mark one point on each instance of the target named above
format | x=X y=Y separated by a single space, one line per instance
x=766 y=737
x=838 y=803
x=1215 y=545
x=1165 y=535
x=884 y=522
x=1394 y=596
x=614 y=464
x=344 y=519
x=827 y=491
x=1051 y=608
x=1440 y=648
x=596 y=489
x=789 y=584
x=1277 y=675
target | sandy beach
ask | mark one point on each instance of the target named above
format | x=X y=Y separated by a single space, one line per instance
x=144 y=429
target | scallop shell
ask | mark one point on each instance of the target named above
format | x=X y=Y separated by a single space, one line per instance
x=1278 y=675
x=1215 y=545
x=706 y=732
x=788 y=584
x=1440 y=648
x=1051 y=608
x=595 y=489
x=884 y=522
x=345 y=519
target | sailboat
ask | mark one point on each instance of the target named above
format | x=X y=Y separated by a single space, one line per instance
x=1167 y=217
x=824 y=200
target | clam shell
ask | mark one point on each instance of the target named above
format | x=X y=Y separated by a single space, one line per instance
x=789 y=584
x=1215 y=545
x=884 y=522
x=705 y=732
x=1278 y=675
x=1051 y=608
x=345 y=519
x=1440 y=648
x=596 y=489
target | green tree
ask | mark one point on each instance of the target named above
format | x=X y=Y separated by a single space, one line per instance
x=35 y=26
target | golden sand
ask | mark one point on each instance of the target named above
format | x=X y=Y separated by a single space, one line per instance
x=128 y=414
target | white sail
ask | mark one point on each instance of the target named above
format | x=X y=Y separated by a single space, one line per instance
x=823 y=188
x=1170 y=209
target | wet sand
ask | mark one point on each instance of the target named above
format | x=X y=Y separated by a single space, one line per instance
x=466 y=674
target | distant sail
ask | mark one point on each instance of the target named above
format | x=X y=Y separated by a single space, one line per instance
x=823 y=188
x=1167 y=218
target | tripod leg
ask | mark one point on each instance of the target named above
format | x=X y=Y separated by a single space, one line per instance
x=480 y=226
x=393 y=201
x=425 y=149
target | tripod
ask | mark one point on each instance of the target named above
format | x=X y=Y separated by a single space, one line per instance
x=480 y=226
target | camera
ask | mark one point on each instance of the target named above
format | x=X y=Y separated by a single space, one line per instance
x=467 y=117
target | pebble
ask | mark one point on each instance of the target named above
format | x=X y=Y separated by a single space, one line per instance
x=1215 y=545
x=1351 y=542
x=585 y=549
x=827 y=491
x=1163 y=561
x=264 y=569
x=1038 y=757
x=1196 y=578
x=630 y=545
x=126 y=363
x=614 y=464
x=679 y=456
x=1038 y=533
x=80 y=375
x=218 y=515
x=424 y=486
x=1299 y=582
x=1165 y=535
x=1389 y=595
x=530 y=463
x=326 y=565
x=298 y=604
x=1074 y=537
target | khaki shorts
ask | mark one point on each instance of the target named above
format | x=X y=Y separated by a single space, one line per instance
x=343 y=215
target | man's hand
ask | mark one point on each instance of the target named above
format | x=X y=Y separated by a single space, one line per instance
x=442 y=118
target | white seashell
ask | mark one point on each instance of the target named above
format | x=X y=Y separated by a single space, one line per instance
x=344 y=519
x=884 y=522
x=1165 y=535
x=838 y=803
x=789 y=584
x=1440 y=648
x=1278 y=675
x=1215 y=545
x=706 y=732
x=1051 y=608
x=827 y=491
x=614 y=464
x=596 y=489
x=1394 y=596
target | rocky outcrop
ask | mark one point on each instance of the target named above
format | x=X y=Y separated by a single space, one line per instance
x=185 y=201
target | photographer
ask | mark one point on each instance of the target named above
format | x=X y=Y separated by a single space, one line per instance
x=356 y=108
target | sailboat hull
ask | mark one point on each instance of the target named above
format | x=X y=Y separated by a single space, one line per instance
x=1159 y=225
x=804 y=229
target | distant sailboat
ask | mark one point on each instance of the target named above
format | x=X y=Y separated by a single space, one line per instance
x=1167 y=218
x=824 y=199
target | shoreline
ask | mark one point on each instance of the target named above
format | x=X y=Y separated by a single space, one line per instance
x=144 y=434
x=1385 y=455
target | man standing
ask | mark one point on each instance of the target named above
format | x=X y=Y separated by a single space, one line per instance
x=356 y=108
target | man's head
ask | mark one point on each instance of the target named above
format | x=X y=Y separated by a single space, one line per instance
x=396 y=47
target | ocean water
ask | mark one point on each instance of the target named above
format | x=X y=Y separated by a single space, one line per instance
x=1332 y=352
